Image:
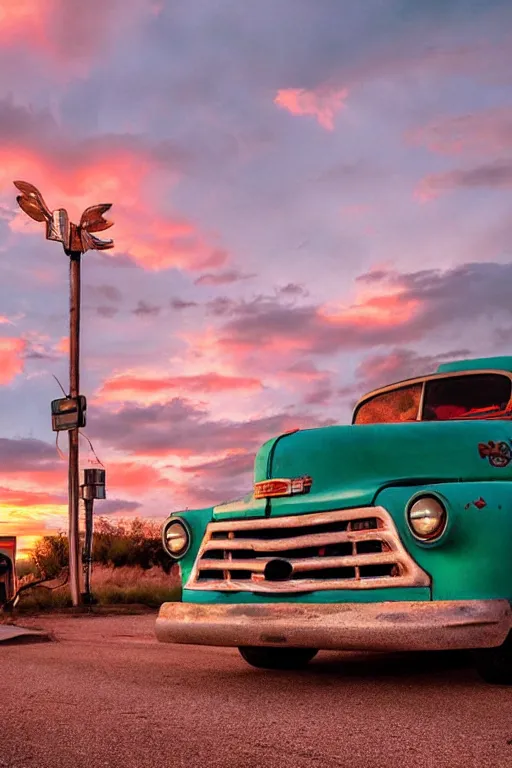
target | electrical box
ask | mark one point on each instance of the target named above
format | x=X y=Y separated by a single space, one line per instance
x=68 y=413
x=93 y=486
x=7 y=568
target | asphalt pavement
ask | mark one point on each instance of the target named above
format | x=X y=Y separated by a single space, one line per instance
x=104 y=693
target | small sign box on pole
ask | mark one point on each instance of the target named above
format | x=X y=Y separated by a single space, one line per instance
x=94 y=484
x=68 y=413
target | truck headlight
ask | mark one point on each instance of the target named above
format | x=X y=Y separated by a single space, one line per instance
x=176 y=537
x=427 y=518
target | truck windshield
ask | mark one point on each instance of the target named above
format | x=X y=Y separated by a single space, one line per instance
x=478 y=395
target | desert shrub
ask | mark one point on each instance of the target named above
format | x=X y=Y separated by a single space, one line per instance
x=134 y=543
x=51 y=555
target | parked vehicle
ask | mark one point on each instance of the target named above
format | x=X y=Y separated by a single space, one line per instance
x=392 y=533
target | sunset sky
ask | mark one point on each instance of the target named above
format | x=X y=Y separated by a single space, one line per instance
x=311 y=198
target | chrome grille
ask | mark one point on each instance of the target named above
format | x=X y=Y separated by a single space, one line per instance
x=346 y=549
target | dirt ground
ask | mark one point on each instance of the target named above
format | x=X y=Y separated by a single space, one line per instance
x=105 y=693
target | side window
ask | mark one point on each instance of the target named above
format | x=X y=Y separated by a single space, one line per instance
x=400 y=404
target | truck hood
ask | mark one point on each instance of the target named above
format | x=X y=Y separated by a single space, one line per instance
x=350 y=464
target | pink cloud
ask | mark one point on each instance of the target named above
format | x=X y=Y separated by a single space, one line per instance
x=11 y=358
x=355 y=210
x=485 y=132
x=179 y=428
x=24 y=19
x=69 y=36
x=145 y=388
x=22 y=498
x=323 y=104
x=281 y=340
x=389 y=308
x=134 y=476
x=153 y=240
x=285 y=331
x=34 y=473
x=107 y=168
x=223 y=278
x=496 y=175
x=378 y=370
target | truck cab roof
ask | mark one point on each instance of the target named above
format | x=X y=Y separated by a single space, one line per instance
x=464 y=389
x=478 y=364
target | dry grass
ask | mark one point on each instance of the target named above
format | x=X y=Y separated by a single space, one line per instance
x=111 y=586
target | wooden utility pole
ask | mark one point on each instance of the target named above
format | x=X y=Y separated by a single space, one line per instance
x=75 y=258
x=68 y=414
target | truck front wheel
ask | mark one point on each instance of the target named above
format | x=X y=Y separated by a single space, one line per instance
x=494 y=665
x=277 y=658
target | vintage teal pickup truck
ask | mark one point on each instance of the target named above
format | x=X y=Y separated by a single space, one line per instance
x=393 y=533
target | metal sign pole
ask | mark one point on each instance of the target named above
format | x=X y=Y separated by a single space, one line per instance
x=87 y=558
x=92 y=488
x=69 y=413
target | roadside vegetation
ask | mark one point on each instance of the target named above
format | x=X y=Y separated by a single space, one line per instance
x=130 y=567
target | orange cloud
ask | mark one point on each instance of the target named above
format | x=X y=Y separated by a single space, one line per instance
x=323 y=104
x=11 y=358
x=146 y=389
x=63 y=345
x=14 y=498
x=29 y=515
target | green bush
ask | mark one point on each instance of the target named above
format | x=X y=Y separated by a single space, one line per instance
x=134 y=543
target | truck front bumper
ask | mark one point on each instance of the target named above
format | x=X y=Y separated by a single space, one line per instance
x=389 y=626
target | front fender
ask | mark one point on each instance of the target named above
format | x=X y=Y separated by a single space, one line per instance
x=472 y=559
x=197 y=520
